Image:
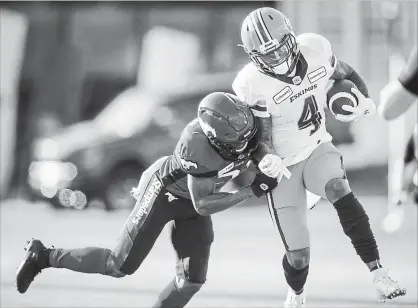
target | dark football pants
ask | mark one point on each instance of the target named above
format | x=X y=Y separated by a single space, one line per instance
x=191 y=234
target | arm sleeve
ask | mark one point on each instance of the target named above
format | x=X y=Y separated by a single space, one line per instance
x=409 y=76
x=245 y=92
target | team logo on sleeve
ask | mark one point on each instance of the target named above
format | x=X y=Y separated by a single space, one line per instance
x=317 y=74
x=187 y=164
x=170 y=197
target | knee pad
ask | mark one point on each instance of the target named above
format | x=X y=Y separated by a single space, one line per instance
x=298 y=258
x=187 y=286
x=112 y=265
x=335 y=189
x=193 y=269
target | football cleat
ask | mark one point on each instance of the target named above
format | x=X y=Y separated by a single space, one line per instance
x=386 y=287
x=294 y=300
x=31 y=266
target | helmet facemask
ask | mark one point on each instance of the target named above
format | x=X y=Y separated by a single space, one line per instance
x=243 y=144
x=276 y=57
x=233 y=150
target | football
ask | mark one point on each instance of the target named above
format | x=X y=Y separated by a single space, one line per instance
x=340 y=94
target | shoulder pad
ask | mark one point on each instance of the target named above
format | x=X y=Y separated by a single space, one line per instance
x=315 y=42
x=196 y=155
x=245 y=83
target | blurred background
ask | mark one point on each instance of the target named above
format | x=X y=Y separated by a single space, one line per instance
x=93 y=92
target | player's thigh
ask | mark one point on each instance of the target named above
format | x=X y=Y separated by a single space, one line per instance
x=288 y=210
x=146 y=176
x=143 y=225
x=324 y=165
x=192 y=238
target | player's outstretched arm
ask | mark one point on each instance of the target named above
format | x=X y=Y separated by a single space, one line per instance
x=207 y=202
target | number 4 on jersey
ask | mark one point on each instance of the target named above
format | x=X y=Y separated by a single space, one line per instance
x=310 y=115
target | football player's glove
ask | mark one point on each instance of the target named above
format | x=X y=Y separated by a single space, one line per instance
x=365 y=107
x=263 y=184
x=272 y=165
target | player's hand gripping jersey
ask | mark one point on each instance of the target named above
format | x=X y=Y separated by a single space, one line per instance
x=195 y=155
x=296 y=104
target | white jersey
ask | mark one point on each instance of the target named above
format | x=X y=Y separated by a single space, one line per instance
x=296 y=104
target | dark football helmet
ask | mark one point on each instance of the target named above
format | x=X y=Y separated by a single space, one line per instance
x=228 y=123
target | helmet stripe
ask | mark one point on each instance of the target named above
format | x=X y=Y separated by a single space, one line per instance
x=256 y=24
x=263 y=24
x=229 y=98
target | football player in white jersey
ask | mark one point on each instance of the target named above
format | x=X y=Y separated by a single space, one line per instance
x=285 y=85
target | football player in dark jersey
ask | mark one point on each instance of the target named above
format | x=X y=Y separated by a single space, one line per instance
x=185 y=188
x=395 y=99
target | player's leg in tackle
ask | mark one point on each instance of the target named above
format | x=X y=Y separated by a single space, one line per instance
x=324 y=175
x=191 y=239
x=289 y=213
x=138 y=236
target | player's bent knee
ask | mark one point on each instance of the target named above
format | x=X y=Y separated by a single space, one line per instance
x=193 y=269
x=298 y=259
x=335 y=189
x=113 y=266
x=187 y=286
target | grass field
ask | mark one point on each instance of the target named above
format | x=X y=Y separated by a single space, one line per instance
x=245 y=266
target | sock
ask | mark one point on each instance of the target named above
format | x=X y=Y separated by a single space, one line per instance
x=84 y=260
x=378 y=265
x=296 y=278
x=355 y=224
x=43 y=258
x=174 y=296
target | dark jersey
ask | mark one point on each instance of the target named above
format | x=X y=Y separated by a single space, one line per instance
x=194 y=155
x=409 y=76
